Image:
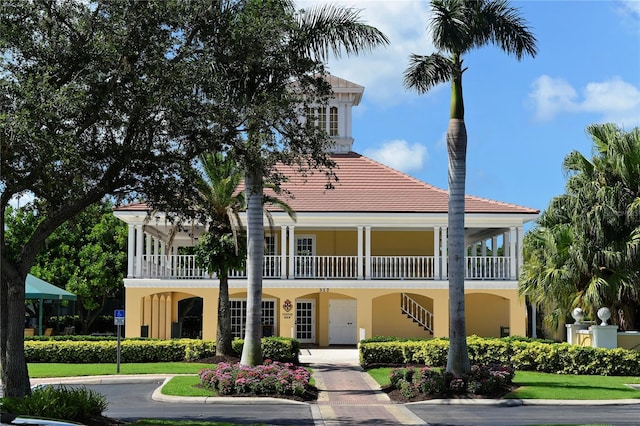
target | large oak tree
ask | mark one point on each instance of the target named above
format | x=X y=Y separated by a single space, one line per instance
x=96 y=98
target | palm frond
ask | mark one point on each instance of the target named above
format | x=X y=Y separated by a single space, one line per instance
x=426 y=72
x=331 y=29
x=502 y=25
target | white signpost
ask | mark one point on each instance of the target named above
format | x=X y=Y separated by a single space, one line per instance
x=118 y=320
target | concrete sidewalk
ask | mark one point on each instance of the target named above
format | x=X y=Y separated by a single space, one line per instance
x=348 y=395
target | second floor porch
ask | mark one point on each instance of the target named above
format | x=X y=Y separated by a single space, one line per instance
x=325 y=249
x=185 y=266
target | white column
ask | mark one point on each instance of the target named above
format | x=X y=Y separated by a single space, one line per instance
x=483 y=248
x=494 y=246
x=445 y=253
x=342 y=119
x=519 y=249
x=359 y=262
x=512 y=252
x=367 y=252
x=505 y=244
x=283 y=252
x=148 y=249
x=156 y=250
x=163 y=257
x=347 y=122
x=131 y=250
x=292 y=252
x=139 y=243
x=436 y=252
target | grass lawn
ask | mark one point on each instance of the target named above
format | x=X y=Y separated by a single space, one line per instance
x=535 y=385
x=37 y=370
x=185 y=386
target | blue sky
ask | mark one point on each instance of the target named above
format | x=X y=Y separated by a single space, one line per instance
x=522 y=118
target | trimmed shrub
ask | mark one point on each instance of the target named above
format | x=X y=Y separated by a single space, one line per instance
x=147 y=350
x=77 y=404
x=489 y=380
x=282 y=349
x=522 y=353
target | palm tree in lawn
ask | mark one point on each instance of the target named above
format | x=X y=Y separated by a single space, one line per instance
x=219 y=249
x=223 y=247
x=459 y=26
x=275 y=70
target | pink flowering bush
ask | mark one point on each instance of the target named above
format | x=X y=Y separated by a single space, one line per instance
x=270 y=378
x=485 y=380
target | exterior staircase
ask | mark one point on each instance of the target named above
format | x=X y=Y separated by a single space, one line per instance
x=416 y=312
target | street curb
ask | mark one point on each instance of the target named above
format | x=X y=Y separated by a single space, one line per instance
x=158 y=396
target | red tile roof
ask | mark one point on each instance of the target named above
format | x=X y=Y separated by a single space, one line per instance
x=365 y=185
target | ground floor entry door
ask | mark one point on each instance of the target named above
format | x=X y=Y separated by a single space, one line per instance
x=342 y=322
x=306 y=321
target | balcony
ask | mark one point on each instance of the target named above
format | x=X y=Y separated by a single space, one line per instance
x=333 y=267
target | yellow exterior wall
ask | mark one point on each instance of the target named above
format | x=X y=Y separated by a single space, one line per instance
x=402 y=243
x=485 y=314
x=390 y=321
x=335 y=243
x=378 y=310
x=629 y=341
x=383 y=243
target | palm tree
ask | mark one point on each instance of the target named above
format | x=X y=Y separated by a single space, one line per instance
x=223 y=247
x=458 y=27
x=269 y=66
x=220 y=249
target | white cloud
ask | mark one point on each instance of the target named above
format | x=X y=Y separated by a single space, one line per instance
x=21 y=200
x=551 y=96
x=630 y=8
x=399 y=155
x=381 y=71
x=614 y=100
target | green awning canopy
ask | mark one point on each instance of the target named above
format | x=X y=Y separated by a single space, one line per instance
x=35 y=288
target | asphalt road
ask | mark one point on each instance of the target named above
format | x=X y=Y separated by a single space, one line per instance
x=482 y=415
x=133 y=401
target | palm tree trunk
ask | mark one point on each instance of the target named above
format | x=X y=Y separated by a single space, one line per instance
x=14 y=374
x=223 y=336
x=251 y=351
x=458 y=359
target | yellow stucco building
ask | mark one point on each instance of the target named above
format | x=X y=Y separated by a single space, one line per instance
x=366 y=258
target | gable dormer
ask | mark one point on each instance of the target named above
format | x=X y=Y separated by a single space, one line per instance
x=335 y=117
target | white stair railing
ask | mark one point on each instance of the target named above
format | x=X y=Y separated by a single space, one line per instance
x=417 y=312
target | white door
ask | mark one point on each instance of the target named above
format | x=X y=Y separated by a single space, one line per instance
x=306 y=321
x=342 y=322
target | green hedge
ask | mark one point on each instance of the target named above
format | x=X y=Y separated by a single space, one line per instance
x=282 y=349
x=104 y=350
x=522 y=354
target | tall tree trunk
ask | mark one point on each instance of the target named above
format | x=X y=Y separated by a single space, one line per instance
x=252 y=351
x=223 y=337
x=458 y=359
x=15 y=377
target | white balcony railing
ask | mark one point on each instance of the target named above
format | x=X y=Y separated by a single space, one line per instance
x=479 y=268
x=402 y=267
x=333 y=267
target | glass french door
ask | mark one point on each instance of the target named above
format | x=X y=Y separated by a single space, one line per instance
x=305 y=252
x=305 y=321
